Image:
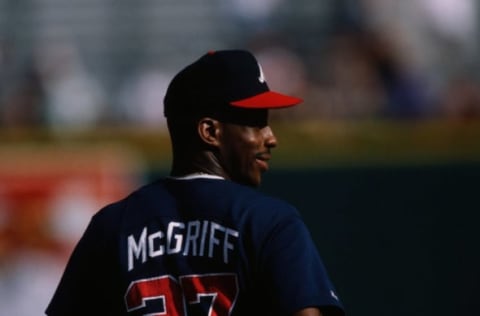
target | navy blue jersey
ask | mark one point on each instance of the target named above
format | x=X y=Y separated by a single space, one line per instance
x=196 y=246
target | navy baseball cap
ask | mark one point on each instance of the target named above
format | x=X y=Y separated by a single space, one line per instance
x=220 y=82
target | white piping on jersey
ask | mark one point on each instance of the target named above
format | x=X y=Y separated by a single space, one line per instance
x=197 y=175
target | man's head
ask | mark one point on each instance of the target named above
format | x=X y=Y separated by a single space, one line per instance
x=218 y=107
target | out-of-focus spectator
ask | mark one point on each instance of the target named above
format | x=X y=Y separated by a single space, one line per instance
x=404 y=87
x=23 y=99
x=346 y=83
x=254 y=15
x=460 y=99
x=436 y=38
x=21 y=89
x=74 y=98
x=452 y=20
x=141 y=99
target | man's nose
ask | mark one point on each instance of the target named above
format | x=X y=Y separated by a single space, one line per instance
x=270 y=139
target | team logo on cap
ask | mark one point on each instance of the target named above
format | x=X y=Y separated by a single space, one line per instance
x=262 y=76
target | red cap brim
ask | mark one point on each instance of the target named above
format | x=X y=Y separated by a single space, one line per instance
x=267 y=100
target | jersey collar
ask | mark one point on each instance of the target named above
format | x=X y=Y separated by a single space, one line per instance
x=197 y=175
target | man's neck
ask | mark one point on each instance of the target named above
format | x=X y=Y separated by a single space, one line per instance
x=201 y=163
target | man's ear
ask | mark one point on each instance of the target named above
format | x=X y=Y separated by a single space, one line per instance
x=209 y=131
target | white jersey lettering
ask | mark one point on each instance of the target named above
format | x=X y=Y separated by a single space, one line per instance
x=193 y=238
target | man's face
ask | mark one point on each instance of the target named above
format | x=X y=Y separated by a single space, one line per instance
x=245 y=151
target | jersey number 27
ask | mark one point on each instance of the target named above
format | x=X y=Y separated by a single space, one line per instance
x=189 y=289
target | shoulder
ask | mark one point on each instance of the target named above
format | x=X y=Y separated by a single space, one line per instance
x=271 y=205
x=253 y=198
x=259 y=209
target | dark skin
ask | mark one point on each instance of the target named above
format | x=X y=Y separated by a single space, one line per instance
x=239 y=152
x=233 y=151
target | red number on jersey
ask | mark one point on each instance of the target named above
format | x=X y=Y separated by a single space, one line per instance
x=222 y=288
x=163 y=288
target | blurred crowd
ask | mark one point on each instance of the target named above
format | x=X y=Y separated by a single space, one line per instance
x=365 y=59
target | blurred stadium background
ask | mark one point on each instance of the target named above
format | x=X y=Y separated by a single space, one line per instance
x=383 y=158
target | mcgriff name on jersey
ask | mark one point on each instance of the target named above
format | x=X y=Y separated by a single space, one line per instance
x=192 y=238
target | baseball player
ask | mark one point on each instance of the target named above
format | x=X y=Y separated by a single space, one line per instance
x=203 y=241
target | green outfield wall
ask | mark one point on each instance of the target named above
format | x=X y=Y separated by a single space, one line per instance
x=396 y=240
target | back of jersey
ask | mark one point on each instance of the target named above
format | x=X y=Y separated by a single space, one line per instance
x=188 y=247
x=195 y=246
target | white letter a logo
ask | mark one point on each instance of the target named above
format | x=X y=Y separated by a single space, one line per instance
x=262 y=76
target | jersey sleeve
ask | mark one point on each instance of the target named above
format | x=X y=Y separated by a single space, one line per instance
x=84 y=286
x=294 y=268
